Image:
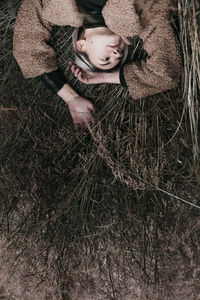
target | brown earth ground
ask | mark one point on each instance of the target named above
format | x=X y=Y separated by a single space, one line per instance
x=108 y=216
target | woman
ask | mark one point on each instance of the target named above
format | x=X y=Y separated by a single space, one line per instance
x=103 y=31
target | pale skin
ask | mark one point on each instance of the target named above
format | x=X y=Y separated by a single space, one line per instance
x=104 y=49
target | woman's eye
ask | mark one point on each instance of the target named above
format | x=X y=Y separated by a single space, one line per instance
x=106 y=59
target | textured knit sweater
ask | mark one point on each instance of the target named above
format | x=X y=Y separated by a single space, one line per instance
x=150 y=19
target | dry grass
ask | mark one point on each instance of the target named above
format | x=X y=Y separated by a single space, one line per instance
x=189 y=35
x=111 y=215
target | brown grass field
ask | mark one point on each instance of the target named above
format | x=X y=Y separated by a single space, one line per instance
x=109 y=216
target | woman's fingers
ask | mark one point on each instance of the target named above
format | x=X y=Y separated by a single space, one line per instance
x=81 y=74
x=89 y=121
x=83 y=121
x=82 y=77
x=74 y=68
x=82 y=112
x=90 y=124
x=81 y=126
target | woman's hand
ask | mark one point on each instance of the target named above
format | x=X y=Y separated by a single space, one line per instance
x=88 y=77
x=82 y=112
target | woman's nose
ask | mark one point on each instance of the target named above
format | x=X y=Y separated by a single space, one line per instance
x=117 y=53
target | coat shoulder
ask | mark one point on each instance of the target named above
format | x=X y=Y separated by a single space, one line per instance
x=121 y=17
x=62 y=12
x=132 y=17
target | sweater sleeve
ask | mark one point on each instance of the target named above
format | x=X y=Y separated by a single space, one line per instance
x=30 y=43
x=54 y=80
x=161 y=69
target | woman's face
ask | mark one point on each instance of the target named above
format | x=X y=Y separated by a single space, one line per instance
x=103 y=47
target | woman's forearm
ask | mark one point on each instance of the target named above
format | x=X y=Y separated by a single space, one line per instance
x=112 y=77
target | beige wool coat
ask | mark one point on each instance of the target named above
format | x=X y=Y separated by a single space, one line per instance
x=150 y=19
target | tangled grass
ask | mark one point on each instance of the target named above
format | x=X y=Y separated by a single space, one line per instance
x=111 y=215
x=189 y=36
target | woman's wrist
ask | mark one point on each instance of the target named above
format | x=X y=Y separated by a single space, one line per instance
x=67 y=93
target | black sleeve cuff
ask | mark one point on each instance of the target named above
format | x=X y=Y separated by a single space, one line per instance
x=121 y=78
x=53 y=80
